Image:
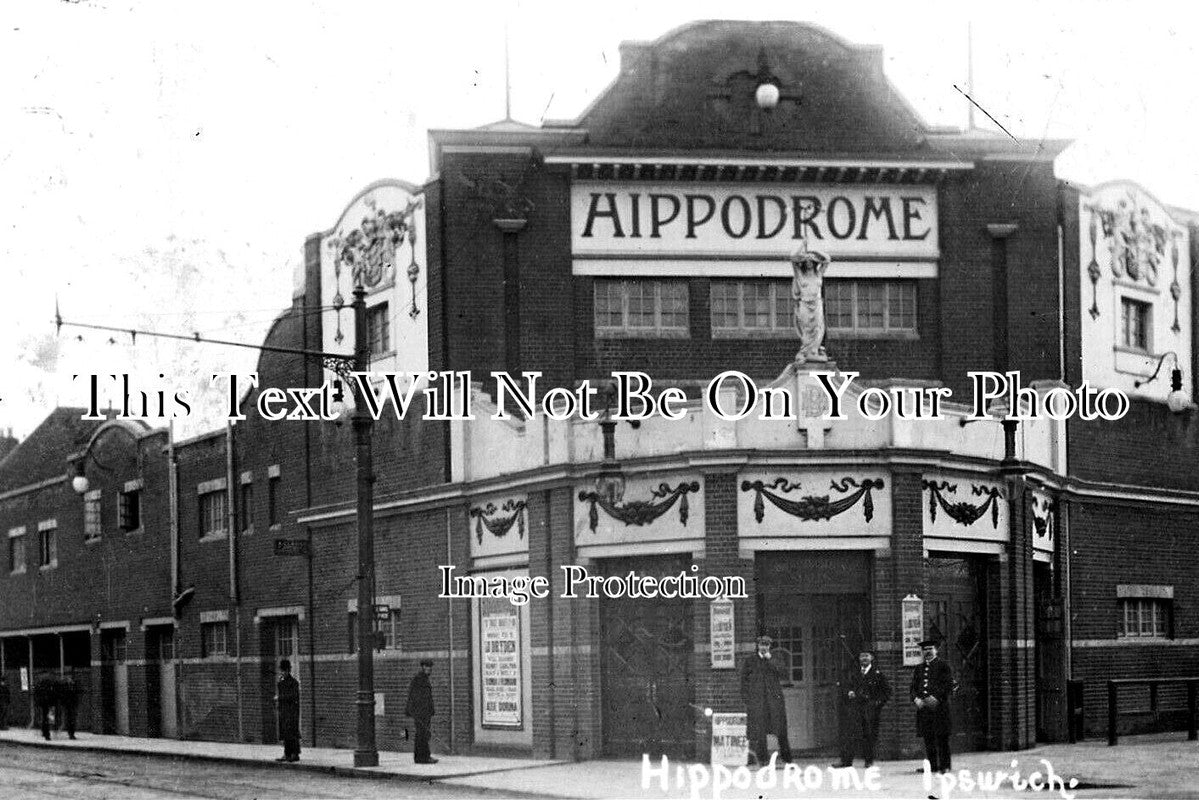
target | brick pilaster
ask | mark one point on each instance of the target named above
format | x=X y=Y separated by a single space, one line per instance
x=720 y=689
x=899 y=572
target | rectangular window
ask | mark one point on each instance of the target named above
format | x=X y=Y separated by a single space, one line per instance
x=165 y=638
x=1135 y=317
x=757 y=307
x=212 y=513
x=641 y=308
x=214 y=639
x=391 y=630
x=1145 y=616
x=129 y=510
x=353 y=638
x=92 y=521
x=113 y=646
x=272 y=500
x=16 y=550
x=47 y=534
x=870 y=307
x=287 y=640
x=245 y=508
x=378 y=329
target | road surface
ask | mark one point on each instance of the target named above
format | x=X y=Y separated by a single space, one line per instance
x=30 y=772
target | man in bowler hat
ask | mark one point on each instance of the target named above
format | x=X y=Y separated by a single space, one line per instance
x=863 y=696
x=420 y=708
x=764 y=710
x=932 y=687
x=287 y=698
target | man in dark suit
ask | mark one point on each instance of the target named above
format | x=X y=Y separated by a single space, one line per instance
x=863 y=696
x=764 y=710
x=287 y=698
x=420 y=708
x=4 y=699
x=68 y=698
x=932 y=688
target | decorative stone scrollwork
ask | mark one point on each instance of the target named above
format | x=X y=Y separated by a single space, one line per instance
x=642 y=512
x=963 y=513
x=369 y=252
x=1137 y=245
x=506 y=201
x=814 y=507
x=499 y=520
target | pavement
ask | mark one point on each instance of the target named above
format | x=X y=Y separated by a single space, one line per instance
x=1158 y=765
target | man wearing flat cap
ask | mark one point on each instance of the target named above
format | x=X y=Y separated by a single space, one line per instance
x=765 y=713
x=864 y=694
x=932 y=687
x=420 y=708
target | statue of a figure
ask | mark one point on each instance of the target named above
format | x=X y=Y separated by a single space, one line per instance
x=806 y=291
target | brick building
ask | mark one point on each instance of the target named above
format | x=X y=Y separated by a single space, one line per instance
x=653 y=233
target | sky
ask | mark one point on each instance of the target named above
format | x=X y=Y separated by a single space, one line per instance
x=162 y=162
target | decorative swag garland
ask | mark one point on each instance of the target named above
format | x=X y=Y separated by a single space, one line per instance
x=962 y=513
x=642 y=512
x=499 y=520
x=813 y=507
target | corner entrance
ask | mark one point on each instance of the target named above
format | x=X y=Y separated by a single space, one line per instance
x=648 y=695
x=816 y=607
x=954 y=614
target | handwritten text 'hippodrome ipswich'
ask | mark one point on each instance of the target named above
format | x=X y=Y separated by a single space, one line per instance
x=731 y=396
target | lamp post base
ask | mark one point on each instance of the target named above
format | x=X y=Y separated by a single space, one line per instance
x=366 y=754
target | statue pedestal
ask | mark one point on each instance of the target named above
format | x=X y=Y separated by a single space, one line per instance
x=811 y=401
x=802 y=365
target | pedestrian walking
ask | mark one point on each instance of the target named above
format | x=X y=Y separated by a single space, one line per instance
x=420 y=708
x=932 y=688
x=864 y=694
x=287 y=700
x=762 y=692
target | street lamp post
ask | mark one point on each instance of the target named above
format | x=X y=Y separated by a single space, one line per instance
x=366 y=754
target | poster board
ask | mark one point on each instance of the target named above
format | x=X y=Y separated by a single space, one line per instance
x=500 y=663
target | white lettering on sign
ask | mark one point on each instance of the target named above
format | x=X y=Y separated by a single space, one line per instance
x=713 y=220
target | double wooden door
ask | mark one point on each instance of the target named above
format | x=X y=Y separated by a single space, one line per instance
x=648 y=696
x=816 y=641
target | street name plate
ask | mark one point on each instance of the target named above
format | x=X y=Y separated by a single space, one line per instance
x=291 y=547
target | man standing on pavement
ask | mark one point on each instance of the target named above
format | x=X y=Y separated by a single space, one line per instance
x=865 y=694
x=932 y=686
x=764 y=710
x=4 y=698
x=420 y=708
x=45 y=696
x=287 y=699
x=69 y=699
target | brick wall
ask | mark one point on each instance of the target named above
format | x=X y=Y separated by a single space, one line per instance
x=1131 y=543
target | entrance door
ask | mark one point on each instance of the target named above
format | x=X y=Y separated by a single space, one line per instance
x=1050 y=656
x=816 y=607
x=816 y=640
x=114 y=682
x=955 y=615
x=646 y=660
x=160 y=657
x=279 y=638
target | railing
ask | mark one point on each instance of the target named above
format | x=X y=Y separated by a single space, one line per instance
x=1113 y=691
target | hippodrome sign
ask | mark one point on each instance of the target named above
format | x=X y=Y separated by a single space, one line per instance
x=714 y=220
